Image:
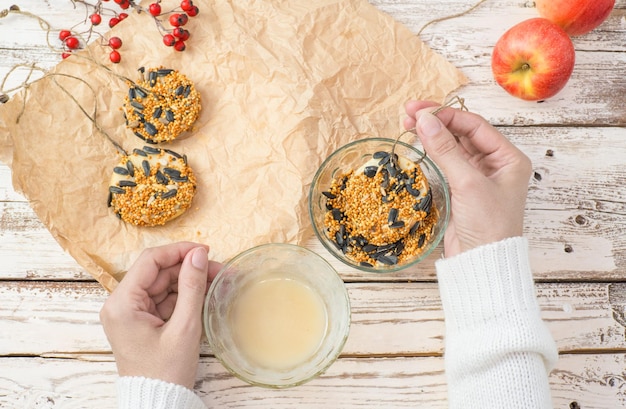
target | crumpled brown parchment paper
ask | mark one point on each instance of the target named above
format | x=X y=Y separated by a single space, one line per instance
x=283 y=84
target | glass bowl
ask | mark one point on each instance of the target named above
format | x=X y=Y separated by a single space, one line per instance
x=353 y=157
x=277 y=315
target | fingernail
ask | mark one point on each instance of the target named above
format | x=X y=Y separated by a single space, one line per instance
x=428 y=124
x=200 y=258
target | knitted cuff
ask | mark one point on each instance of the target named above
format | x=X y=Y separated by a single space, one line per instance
x=144 y=393
x=490 y=306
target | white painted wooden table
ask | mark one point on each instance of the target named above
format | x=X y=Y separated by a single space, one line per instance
x=53 y=352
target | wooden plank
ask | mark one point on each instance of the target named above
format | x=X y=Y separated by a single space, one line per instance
x=397 y=319
x=29 y=252
x=591 y=381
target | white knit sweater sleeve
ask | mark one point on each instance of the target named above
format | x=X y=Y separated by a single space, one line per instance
x=134 y=392
x=498 y=351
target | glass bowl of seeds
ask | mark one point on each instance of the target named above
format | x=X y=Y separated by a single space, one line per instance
x=379 y=205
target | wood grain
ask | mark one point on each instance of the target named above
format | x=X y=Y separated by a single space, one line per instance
x=592 y=381
x=390 y=319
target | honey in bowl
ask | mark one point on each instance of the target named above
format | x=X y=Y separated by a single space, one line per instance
x=277 y=315
x=278 y=322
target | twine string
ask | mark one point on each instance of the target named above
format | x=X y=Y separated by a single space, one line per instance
x=450 y=103
x=461 y=14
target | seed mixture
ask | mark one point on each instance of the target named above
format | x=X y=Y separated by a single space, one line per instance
x=161 y=106
x=151 y=186
x=382 y=213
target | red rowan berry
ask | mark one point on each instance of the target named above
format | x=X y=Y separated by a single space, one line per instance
x=115 y=42
x=169 y=40
x=95 y=19
x=178 y=19
x=63 y=34
x=186 y=5
x=179 y=45
x=193 y=11
x=155 y=9
x=115 y=57
x=72 y=43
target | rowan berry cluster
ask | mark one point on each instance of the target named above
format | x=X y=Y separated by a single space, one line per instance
x=174 y=35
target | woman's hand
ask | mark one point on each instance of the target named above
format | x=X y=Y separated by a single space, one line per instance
x=153 y=318
x=487 y=174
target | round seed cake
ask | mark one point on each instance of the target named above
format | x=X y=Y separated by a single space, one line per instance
x=161 y=106
x=151 y=186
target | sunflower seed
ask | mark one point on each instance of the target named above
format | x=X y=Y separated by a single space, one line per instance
x=157 y=112
x=388 y=260
x=169 y=115
x=369 y=248
x=380 y=154
x=393 y=215
x=146 y=167
x=187 y=91
x=421 y=240
x=127 y=183
x=110 y=199
x=161 y=178
x=171 y=172
x=150 y=149
x=130 y=168
x=370 y=171
x=150 y=128
x=131 y=93
x=152 y=78
x=399 y=248
x=329 y=195
x=120 y=170
x=141 y=92
x=425 y=204
x=139 y=152
x=339 y=239
x=164 y=72
x=174 y=154
x=136 y=105
x=409 y=187
x=169 y=193
x=179 y=91
x=397 y=224
x=414 y=228
x=116 y=189
x=360 y=240
x=365 y=264
x=337 y=215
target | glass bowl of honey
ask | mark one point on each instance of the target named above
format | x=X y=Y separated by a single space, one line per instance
x=379 y=205
x=277 y=315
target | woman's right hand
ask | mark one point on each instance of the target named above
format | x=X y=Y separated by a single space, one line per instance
x=487 y=174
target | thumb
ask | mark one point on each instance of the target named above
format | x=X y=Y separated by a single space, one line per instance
x=192 y=283
x=441 y=145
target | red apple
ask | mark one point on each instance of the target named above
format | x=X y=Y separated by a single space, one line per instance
x=533 y=60
x=576 y=17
